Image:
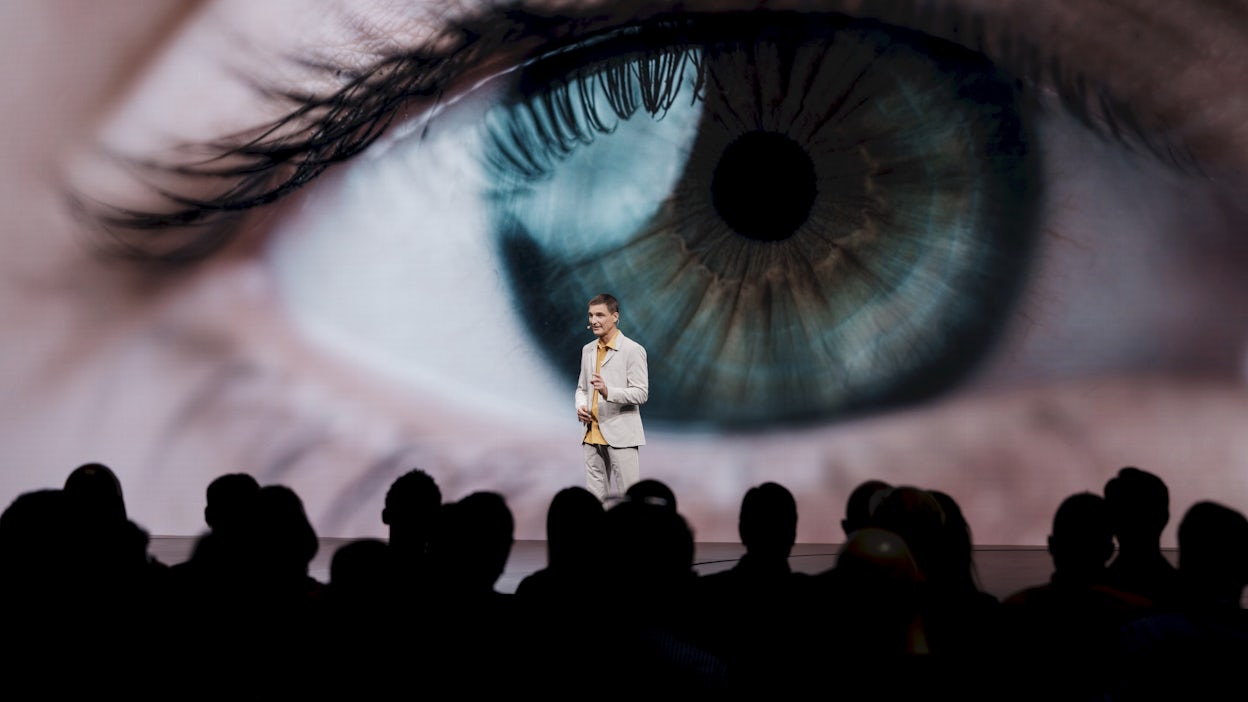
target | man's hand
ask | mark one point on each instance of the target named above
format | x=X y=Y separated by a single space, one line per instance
x=599 y=385
x=583 y=414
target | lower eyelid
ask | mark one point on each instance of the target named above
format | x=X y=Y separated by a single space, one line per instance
x=274 y=407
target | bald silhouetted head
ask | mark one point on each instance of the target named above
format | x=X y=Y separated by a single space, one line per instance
x=652 y=491
x=858 y=506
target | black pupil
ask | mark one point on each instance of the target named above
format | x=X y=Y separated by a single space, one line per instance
x=764 y=186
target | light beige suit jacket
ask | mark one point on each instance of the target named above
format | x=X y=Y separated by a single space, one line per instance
x=627 y=376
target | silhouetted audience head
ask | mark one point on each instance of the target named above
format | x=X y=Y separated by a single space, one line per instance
x=472 y=542
x=858 y=506
x=358 y=571
x=71 y=552
x=1082 y=539
x=648 y=546
x=918 y=518
x=957 y=615
x=1139 y=509
x=955 y=545
x=879 y=554
x=110 y=548
x=896 y=589
x=1139 y=505
x=228 y=499
x=411 y=508
x=1213 y=554
x=768 y=520
x=652 y=491
x=877 y=585
x=574 y=526
x=37 y=539
x=96 y=492
x=280 y=537
x=1194 y=649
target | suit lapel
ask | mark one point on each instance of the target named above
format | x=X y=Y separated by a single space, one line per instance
x=611 y=352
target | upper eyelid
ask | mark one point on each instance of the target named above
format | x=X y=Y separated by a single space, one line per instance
x=322 y=130
x=1090 y=100
x=318 y=131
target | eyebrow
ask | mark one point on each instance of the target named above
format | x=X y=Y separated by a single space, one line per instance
x=268 y=163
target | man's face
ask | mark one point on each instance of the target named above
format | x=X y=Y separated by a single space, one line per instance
x=602 y=321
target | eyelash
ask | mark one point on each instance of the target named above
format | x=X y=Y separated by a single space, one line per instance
x=270 y=162
x=564 y=117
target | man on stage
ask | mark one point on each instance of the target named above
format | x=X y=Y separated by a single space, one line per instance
x=613 y=384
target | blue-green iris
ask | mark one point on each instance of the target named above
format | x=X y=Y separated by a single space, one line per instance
x=884 y=279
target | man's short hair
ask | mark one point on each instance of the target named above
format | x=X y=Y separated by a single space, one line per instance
x=415 y=494
x=1138 y=501
x=613 y=305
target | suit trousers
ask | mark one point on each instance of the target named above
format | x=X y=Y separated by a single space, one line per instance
x=609 y=471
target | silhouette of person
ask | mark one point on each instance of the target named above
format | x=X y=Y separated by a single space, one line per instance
x=359 y=619
x=959 y=618
x=574 y=555
x=110 y=551
x=470 y=626
x=652 y=491
x=410 y=513
x=558 y=600
x=858 y=505
x=1139 y=505
x=76 y=570
x=358 y=574
x=1196 y=649
x=96 y=490
x=1069 y=627
x=228 y=501
x=652 y=627
x=870 y=622
x=754 y=612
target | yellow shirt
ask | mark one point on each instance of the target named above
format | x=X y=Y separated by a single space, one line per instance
x=594 y=435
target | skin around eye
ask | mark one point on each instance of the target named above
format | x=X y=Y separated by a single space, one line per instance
x=171 y=382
